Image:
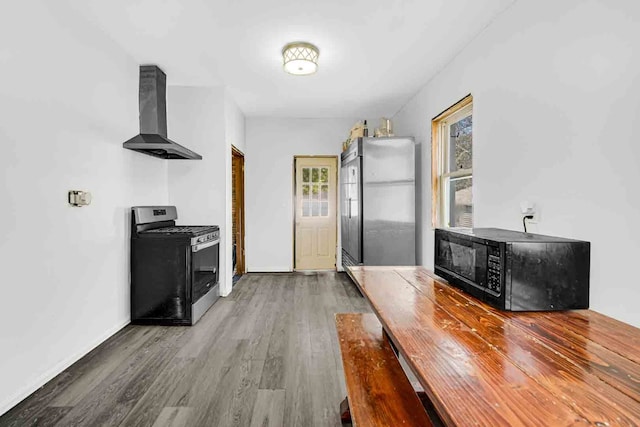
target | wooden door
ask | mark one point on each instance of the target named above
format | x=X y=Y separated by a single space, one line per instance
x=315 y=213
x=237 y=195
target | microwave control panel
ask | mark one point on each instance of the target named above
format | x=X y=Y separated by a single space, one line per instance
x=494 y=269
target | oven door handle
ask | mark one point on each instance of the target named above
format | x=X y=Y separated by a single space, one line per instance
x=205 y=245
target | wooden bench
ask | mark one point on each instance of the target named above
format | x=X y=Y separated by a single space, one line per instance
x=378 y=391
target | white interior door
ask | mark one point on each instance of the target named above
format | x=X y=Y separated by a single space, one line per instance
x=316 y=213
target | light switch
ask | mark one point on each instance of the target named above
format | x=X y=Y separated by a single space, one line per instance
x=79 y=198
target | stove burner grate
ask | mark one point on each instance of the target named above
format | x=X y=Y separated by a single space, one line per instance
x=181 y=230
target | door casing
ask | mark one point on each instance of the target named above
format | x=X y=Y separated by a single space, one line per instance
x=237 y=164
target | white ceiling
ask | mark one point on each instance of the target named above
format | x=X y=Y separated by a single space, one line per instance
x=374 y=54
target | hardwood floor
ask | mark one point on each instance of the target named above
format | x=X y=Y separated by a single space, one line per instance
x=267 y=355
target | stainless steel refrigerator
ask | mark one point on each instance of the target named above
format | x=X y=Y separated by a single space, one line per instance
x=377 y=186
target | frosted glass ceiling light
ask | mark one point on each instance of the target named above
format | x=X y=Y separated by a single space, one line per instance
x=300 y=58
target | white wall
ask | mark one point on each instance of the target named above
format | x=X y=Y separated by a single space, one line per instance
x=271 y=144
x=67 y=104
x=196 y=120
x=207 y=121
x=557 y=122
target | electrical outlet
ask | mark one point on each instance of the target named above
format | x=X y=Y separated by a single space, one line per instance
x=527 y=208
x=530 y=209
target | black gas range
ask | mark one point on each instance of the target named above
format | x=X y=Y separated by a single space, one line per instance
x=174 y=268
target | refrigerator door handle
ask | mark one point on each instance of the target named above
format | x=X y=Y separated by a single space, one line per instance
x=349 y=208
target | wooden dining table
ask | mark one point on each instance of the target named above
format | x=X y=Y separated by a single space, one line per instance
x=480 y=366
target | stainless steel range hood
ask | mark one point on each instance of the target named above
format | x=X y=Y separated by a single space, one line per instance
x=152 y=139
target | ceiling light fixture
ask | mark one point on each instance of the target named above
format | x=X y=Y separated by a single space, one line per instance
x=300 y=58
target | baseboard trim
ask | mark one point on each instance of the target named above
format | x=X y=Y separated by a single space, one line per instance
x=284 y=271
x=57 y=369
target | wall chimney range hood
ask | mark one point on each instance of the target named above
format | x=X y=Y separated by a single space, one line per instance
x=152 y=139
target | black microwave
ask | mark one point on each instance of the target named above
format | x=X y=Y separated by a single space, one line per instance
x=515 y=271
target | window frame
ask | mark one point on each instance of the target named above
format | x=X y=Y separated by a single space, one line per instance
x=440 y=159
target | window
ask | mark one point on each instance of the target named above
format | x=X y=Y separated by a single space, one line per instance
x=452 y=166
x=315 y=191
